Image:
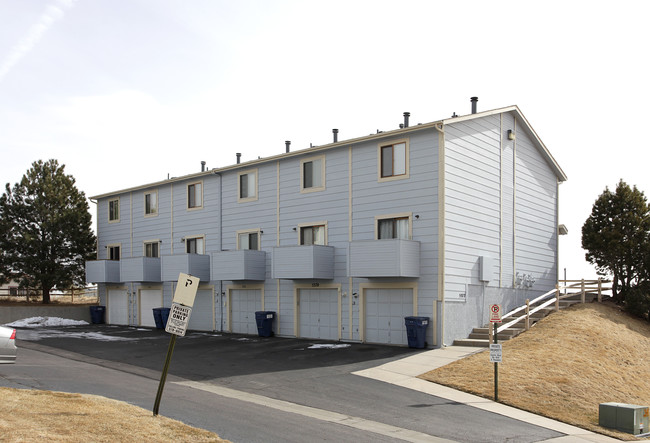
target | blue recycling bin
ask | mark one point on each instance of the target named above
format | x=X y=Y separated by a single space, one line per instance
x=264 y=320
x=416 y=331
x=97 y=314
x=160 y=316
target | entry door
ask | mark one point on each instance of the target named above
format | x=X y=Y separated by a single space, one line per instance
x=118 y=307
x=385 y=312
x=243 y=304
x=149 y=299
x=202 y=317
x=318 y=313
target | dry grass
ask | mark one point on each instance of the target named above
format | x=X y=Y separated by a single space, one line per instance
x=565 y=366
x=36 y=416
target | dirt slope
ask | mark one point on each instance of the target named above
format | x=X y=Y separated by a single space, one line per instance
x=565 y=366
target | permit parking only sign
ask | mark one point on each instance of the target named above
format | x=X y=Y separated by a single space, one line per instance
x=179 y=318
x=179 y=314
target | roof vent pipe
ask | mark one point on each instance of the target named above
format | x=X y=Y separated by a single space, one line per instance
x=202 y=165
x=287 y=143
x=336 y=135
x=238 y=157
x=474 y=102
x=406 y=119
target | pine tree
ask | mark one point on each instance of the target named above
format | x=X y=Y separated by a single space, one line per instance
x=45 y=230
x=615 y=236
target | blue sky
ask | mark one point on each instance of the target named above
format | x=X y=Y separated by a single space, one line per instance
x=126 y=92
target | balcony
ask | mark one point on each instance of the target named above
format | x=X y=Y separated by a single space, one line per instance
x=303 y=262
x=384 y=258
x=103 y=271
x=140 y=269
x=197 y=265
x=239 y=265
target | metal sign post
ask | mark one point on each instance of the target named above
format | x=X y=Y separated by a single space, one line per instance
x=495 y=349
x=179 y=317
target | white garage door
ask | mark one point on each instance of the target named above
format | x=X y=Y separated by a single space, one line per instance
x=149 y=299
x=243 y=304
x=118 y=307
x=385 y=312
x=318 y=313
x=202 y=317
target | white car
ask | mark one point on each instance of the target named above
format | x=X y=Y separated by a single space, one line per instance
x=7 y=345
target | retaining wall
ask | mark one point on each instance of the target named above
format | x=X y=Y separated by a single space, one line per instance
x=10 y=314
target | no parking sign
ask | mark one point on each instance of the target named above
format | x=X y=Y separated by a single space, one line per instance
x=495 y=314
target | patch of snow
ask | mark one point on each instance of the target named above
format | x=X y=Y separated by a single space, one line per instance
x=244 y=339
x=40 y=334
x=37 y=322
x=329 y=346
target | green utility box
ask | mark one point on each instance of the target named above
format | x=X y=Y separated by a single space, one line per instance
x=633 y=419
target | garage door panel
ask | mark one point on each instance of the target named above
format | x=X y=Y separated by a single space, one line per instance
x=149 y=299
x=202 y=318
x=243 y=305
x=118 y=307
x=384 y=314
x=318 y=313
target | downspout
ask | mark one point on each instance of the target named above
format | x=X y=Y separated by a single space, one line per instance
x=440 y=305
x=220 y=246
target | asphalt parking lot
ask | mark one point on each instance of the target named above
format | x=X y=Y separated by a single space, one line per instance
x=208 y=356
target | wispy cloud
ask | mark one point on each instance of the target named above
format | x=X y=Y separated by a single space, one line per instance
x=47 y=19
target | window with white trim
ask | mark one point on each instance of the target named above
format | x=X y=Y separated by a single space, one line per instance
x=114 y=210
x=152 y=249
x=313 y=235
x=195 y=195
x=248 y=240
x=247 y=185
x=151 y=203
x=113 y=252
x=393 y=160
x=195 y=245
x=312 y=174
x=397 y=227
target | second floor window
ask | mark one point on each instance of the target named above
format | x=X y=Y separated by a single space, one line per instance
x=194 y=195
x=393 y=228
x=113 y=252
x=312 y=235
x=194 y=245
x=114 y=210
x=248 y=240
x=151 y=203
x=152 y=249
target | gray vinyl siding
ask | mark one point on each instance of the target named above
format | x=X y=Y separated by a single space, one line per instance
x=508 y=202
x=536 y=216
x=472 y=201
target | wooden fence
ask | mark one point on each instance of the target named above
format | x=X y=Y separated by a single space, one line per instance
x=565 y=289
x=74 y=295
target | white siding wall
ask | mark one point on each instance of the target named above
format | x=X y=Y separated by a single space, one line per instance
x=472 y=202
x=536 y=216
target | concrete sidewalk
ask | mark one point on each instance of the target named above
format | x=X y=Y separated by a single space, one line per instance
x=404 y=373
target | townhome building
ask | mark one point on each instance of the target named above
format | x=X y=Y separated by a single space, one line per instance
x=345 y=240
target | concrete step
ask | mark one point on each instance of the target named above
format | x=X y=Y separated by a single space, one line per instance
x=510 y=332
x=478 y=343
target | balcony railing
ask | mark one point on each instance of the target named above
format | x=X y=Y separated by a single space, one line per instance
x=384 y=258
x=239 y=265
x=103 y=271
x=303 y=262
